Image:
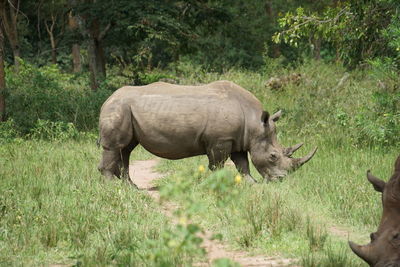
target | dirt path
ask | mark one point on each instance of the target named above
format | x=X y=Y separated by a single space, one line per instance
x=144 y=175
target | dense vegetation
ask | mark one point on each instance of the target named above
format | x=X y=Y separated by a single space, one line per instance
x=60 y=59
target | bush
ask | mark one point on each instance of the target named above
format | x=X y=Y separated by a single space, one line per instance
x=380 y=123
x=49 y=130
x=44 y=93
x=7 y=131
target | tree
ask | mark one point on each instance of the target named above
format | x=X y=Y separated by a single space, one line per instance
x=94 y=24
x=76 y=54
x=354 y=28
x=2 y=77
x=9 y=10
x=54 y=21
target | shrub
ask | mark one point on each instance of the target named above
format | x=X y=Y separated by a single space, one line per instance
x=380 y=123
x=47 y=94
x=49 y=130
x=7 y=131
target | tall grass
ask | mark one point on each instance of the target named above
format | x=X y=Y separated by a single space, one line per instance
x=55 y=208
x=293 y=217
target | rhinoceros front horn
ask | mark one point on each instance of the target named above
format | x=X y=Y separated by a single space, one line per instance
x=360 y=251
x=298 y=162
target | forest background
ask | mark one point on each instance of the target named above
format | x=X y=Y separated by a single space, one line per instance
x=63 y=58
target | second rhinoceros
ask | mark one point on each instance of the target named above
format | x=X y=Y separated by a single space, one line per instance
x=219 y=119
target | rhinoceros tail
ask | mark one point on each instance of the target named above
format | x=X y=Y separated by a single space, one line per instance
x=98 y=142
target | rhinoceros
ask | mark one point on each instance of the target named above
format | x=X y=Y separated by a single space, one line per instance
x=219 y=119
x=384 y=248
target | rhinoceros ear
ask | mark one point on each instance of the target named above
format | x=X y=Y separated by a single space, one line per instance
x=397 y=165
x=265 y=117
x=378 y=184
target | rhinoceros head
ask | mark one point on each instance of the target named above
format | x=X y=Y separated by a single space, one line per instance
x=384 y=248
x=271 y=159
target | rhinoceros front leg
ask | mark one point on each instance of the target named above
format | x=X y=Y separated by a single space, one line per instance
x=110 y=163
x=116 y=163
x=242 y=165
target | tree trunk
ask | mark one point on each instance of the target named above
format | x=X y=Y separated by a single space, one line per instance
x=317 y=48
x=9 y=15
x=76 y=51
x=96 y=57
x=95 y=73
x=276 y=51
x=97 y=64
x=76 y=58
x=53 y=42
x=2 y=78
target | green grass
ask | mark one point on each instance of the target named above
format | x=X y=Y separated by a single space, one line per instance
x=293 y=218
x=290 y=218
x=55 y=208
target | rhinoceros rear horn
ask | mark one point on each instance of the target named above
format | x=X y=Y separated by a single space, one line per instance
x=361 y=251
x=290 y=150
x=377 y=183
x=298 y=162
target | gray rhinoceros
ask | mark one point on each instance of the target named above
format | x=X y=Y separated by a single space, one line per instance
x=384 y=249
x=220 y=120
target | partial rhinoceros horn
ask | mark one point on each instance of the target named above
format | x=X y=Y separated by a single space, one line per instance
x=361 y=251
x=290 y=150
x=300 y=161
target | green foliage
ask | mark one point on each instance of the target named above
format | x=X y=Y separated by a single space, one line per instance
x=222 y=185
x=356 y=30
x=52 y=131
x=48 y=94
x=380 y=124
x=7 y=131
x=182 y=240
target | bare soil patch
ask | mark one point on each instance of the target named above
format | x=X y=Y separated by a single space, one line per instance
x=143 y=175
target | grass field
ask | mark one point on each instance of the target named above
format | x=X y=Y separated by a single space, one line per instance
x=55 y=208
x=294 y=217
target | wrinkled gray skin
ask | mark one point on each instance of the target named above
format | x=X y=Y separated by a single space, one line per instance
x=384 y=248
x=219 y=119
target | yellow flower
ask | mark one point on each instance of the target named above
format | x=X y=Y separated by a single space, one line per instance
x=182 y=220
x=238 y=179
x=201 y=169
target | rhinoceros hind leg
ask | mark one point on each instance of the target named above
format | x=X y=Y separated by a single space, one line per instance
x=218 y=154
x=242 y=165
